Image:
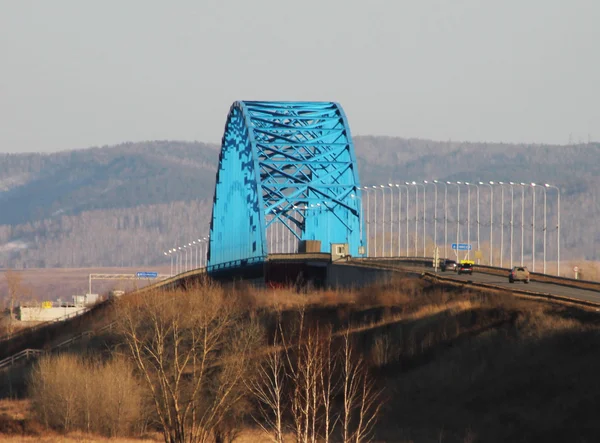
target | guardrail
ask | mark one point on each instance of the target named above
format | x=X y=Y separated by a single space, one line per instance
x=42 y=324
x=517 y=291
x=534 y=276
x=419 y=261
x=24 y=354
x=35 y=353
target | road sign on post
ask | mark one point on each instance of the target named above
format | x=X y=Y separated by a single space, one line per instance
x=461 y=246
x=146 y=274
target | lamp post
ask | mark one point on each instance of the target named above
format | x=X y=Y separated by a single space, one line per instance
x=368 y=222
x=491 y=220
x=204 y=252
x=478 y=224
x=545 y=226
x=169 y=254
x=195 y=263
x=382 y=188
x=399 y=220
x=533 y=227
x=416 y=185
x=457 y=184
x=375 y=218
x=501 y=221
x=512 y=217
x=391 y=219
x=522 y=221
x=435 y=199
x=445 y=218
x=416 y=215
x=180 y=249
x=185 y=249
x=467 y=184
x=407 y=201
x=557 y=228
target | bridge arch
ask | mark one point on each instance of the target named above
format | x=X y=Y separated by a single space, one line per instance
x=287 y=172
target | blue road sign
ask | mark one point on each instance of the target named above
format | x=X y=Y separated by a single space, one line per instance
x=147 y=274
x=461 y=246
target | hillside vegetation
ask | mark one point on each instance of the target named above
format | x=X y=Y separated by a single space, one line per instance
x=125 y=204
x=444 y=365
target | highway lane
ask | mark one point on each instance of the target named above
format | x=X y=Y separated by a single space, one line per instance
x=546 y=288
x=502 y=281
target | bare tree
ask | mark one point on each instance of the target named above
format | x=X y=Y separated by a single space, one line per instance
x=70 y=392
x=310 y=366
x=329 y=384
x=268 y=387
x=361 y=400
x=193 y=350
x=14 y=281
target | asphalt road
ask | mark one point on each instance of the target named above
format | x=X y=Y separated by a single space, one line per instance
x=498 y=280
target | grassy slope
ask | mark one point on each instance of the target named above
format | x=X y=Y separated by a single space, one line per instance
x=459 y=366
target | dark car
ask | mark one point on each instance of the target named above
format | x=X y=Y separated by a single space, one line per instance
x=465 y=268
x=448 y=265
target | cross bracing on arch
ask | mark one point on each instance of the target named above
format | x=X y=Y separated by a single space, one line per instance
x=288 y=165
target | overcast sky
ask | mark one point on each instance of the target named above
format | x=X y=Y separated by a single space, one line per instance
x=75 y=74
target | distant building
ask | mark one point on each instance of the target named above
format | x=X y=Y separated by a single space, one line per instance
x=58 y=310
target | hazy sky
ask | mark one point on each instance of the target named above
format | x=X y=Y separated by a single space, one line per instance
x=75 y=74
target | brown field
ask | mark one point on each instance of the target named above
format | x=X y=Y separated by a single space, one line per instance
x=455 y=366
x=50 y=284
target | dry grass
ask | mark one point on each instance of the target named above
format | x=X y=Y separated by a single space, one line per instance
x=455 y=366
x=15 y=409
x=52 y=283
x=75 y=437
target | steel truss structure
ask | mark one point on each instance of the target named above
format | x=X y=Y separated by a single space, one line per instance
x=289 y=168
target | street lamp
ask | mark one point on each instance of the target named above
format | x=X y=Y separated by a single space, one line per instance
x=399 y=219
x=533 y=228
x=367 y=189
x=204 y=252
x=375 y=218
x=491 y=219
x=512 y=215
x=180 y=249
x=434 y=183
x=457 y=184
x=467 y=184
x=416 y=185
x=382 y=221
x=545 y=226
x=185 y=249
x=557 y=228
x=391 y=186
x=407 y=201
x=169 y=254
x=478 y=224
x=501 y=221
x=522 y=220
x=445 y=217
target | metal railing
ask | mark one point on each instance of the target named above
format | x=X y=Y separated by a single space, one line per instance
x=29 y=329
x=534 y=276
x=27 y=354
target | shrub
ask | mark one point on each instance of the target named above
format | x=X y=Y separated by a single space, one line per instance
x=70 y=392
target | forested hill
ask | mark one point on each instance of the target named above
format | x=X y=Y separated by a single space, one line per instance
x=38 y=186
x=125 y=204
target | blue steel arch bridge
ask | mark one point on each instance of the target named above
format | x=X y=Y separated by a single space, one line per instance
x=287 y=173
